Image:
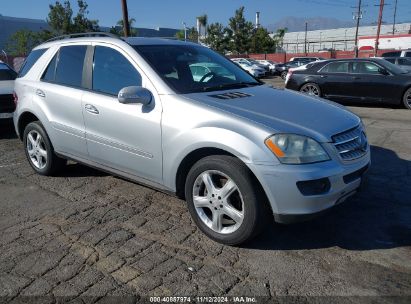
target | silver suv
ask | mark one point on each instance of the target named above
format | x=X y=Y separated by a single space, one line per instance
x=236 y=150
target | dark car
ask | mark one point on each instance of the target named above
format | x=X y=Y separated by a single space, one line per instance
x=402 y=62
x=7 y=76
x=281 y=69
x=361 y=80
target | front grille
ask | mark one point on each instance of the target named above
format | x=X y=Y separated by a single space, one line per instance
x=7 y=104
x=351 y=144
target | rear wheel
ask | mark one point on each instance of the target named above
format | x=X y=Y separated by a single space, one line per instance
x=39 y=151
x=225 y=201
x=407 y=99
x=311 y=89
x=284 y=74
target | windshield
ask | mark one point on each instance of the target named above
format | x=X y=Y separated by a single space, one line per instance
x=191 y=68
x=392 y=67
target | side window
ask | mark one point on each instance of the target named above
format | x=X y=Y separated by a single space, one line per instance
x=30 y=61
x=404 y=61
x=69 y=70
x=365 y=68
x=408 y=54
x=50 y=73
x=392 y=60
x=112 y=71
x=336 y=67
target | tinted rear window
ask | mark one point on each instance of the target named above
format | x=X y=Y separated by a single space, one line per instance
x=69 y=69
x=6 y=73
x=30 y=61
x=392 y=54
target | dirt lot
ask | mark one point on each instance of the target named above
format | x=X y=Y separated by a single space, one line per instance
x=85 y=234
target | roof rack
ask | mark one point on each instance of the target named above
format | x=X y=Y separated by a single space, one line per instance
x=79 y=35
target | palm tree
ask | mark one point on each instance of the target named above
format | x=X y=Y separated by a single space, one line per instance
x=131 y=21
x=203 y=21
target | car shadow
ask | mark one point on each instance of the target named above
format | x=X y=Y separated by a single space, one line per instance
x=73 y=169
x=7 y=129
x=377 y=217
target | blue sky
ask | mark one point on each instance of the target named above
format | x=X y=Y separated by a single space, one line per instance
x=166 y=13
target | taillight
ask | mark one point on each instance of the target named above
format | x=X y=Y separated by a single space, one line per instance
x=15 y=98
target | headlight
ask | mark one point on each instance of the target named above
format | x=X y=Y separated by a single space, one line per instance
x=296 y=149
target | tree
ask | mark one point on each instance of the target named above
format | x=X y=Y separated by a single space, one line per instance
x=59 y=18
x=203 y=20
x=119 y=28
x=81 y=23
x=61 y=21
x=180 y=35
x=261 y=42
x=240 y=32
x=21 y=42
x=217 y=38
x=279 y=36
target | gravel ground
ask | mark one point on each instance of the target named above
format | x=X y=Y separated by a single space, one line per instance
x=84 y=236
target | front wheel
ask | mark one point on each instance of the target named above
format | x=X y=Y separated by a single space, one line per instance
x=407 y=99
x=225 y=200
x=283 y=75
x=311 y=89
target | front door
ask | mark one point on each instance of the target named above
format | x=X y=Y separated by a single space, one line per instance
x=126 y=137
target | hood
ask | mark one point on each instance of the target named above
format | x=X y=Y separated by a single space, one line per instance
x=284 y=111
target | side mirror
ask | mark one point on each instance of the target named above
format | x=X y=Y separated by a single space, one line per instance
x=135 y=94
x=383 y=71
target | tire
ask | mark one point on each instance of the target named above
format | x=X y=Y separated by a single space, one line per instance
x=229 y=219
x=311 y=89
x=283 y=75
x=39 y=150
x=406 y=99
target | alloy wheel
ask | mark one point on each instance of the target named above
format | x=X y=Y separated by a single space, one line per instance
x=310 y=89
x=36 y=149
x=218 y=201
x=407 y=99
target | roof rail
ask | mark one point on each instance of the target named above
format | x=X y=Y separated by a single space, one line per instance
x=79 y=35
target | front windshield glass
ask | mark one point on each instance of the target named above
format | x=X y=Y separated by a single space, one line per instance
x=393 y=67
x=191 y=68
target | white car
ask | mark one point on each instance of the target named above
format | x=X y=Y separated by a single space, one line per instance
x=251 y=62
x=269 y=63
x=7 y=76
x=252 y=69
x=302 y=67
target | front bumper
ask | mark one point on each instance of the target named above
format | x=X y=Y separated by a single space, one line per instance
x=287 y=201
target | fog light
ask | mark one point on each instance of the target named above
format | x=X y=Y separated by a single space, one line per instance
x=314 y=187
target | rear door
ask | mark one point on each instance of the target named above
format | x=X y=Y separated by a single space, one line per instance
x=60 y=92
x=335 y=81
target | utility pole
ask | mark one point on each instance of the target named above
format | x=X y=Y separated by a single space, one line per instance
x=126 y=25
x=357 y=16
x=395 y=17
x=377 y=41
x=305 y=40
x=185 y=31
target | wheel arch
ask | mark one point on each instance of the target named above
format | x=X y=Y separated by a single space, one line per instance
x=24 y=119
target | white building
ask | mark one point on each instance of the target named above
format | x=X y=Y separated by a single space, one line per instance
x=341 y=38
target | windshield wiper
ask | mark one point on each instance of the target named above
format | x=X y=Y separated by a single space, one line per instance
x=243 y=84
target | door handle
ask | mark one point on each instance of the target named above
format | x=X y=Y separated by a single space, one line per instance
x=323 y=76
x=40 y=93
x=91 y=109
x=356 y=77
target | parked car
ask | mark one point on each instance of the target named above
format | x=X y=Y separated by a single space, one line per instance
x=361 y=80
x=404 y=53
x=302 y=67
x=235 y=149
x=270 y=64
x=252 y=69
x=206 y=70
x=306 y=59
x=281 y=69
x=253 y=63
x=7 y=76
x=402 y=62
